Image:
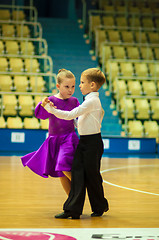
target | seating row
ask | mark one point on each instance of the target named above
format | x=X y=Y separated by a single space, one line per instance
x=140 y=69
x=17 y=47
x=125 y=36
x=26 y=123
x=19 y=64
x=23 y=105
x=12 y=30
x=135 y=6
x=136 y=87
x=123 y=21
x=6 y=14
x=128 y=52
x=147 y=129
x=139 y=109
x=22 y=83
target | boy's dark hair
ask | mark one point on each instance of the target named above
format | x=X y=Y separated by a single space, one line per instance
x=94 y=75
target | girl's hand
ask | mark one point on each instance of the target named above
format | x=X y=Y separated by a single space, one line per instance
x=45 y=101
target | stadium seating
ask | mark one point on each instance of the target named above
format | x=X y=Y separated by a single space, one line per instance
x=127 y=108
x=31 y=123
x=26 y=105
x=135 y=128
x=6 y=83
x=142 y=109
x=151 y=129
x=14 y=122
x=9 y=105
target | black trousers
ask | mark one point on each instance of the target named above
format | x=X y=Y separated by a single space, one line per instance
x=86 y=175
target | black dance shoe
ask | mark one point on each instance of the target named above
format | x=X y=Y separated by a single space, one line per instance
x=66 y=215
x=94 y=214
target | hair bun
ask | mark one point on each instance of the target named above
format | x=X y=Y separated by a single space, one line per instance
x=61 y=70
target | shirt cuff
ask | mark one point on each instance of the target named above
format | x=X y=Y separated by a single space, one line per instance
x=49 y=108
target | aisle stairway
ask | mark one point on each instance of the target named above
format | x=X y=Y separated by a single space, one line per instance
x=68 y=49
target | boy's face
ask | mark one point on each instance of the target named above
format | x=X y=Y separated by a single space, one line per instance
x=85 y=86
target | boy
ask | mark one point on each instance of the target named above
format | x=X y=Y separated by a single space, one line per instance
x=86 y=164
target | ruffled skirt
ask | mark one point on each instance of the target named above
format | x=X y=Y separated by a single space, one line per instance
x=54 y=156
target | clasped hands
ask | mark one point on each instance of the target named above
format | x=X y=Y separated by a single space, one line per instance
x=45 y=101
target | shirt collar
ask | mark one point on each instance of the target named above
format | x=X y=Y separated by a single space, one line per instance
x=92 y=94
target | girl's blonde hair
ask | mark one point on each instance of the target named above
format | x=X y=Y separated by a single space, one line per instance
x=63 y=73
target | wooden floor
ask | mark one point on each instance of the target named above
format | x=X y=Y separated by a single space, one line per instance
x=131 y=186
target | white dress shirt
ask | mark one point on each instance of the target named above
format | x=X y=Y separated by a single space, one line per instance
x=89 y=113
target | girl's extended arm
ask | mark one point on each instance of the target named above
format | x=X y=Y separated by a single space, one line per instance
x=85 y=107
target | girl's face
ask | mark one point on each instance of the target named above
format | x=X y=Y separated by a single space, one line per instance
x=66 y=88
x=85 y=86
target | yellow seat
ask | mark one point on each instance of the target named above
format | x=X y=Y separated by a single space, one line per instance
x=27 y=48
x=106 y=52
x=31 y=65
x=9 y=105
x=16 y=65
x=134 y=87
x=44 y=124
x=119 y=88
x=113 y=36
x=141 y=69
x=21 y=83
x=156 y=50
x=147 y=22
x=121 y=21
x=3 y=64
x=154 y=69
x=12 y=47
x=94 y=22
x=126 y=69
x=38 y=99
x=127 y=36
x=134 y=21
x=147 y=53
x=1 y=47
x=31 y=123
x=26 y=105
x=112 y=70
x=100 y=37
x=37 y=84
x=151 y=129
x=108 y=21
x=14 y=122
x=119 y=52
x=8 y=30
x=18 y=15
x=153 y=37
x=142 y=108
x=135 y=128
x=5 y=83
x=149 y=88
x=5 y=14
x=141 y=37
x=127 y=108
x=23 y=31
x=133 y=52
x=2 y=122
x=154 y=103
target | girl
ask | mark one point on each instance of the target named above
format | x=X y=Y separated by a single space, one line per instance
x=55 y=155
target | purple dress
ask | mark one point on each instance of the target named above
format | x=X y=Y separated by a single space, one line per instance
x=56 y=153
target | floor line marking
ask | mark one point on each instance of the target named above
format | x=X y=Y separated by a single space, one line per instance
x=131 y=189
